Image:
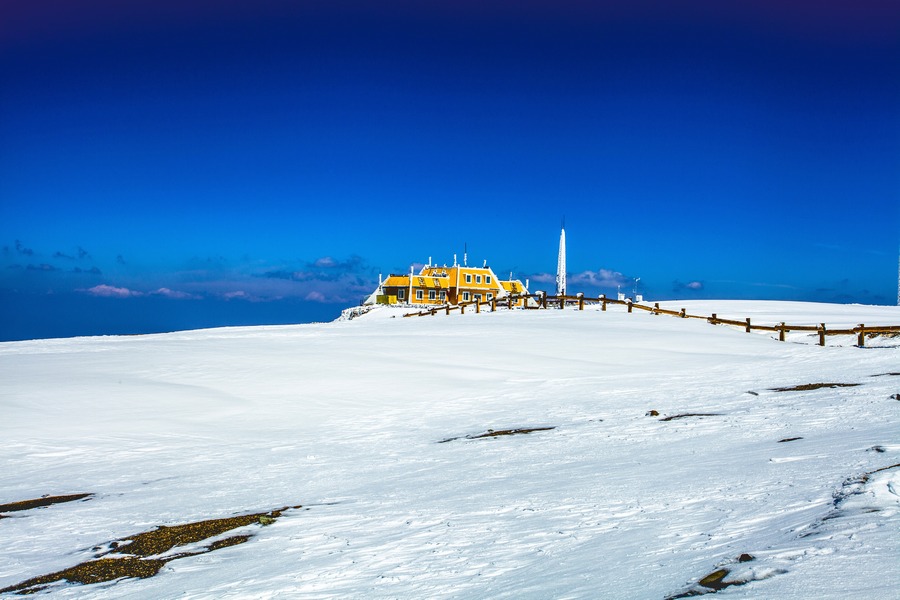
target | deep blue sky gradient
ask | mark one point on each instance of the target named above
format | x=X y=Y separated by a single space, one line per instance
x=173 y=165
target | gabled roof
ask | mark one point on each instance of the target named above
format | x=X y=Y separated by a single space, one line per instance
x=436 y=271
x=424 y=281
x=514 y=286
x=418 y=282
x=396 y=281
x=450 y=271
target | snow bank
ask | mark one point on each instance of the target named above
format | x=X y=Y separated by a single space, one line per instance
x=345 y=418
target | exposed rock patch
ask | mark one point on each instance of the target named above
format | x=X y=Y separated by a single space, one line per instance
x=686 y=415
x=490 y=433
x=140 y=555
x=40 y=502
x=812 y=386
x=725 y=577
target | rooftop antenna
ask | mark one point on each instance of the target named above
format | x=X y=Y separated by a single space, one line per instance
x=465 y=255
x=561 y=261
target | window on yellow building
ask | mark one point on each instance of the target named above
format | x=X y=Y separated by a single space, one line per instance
x=431 y=294
x=490 y=296
x=401 y=294
x=418 y=294
x=478 y=279
x=465 y=295
x=487 y=279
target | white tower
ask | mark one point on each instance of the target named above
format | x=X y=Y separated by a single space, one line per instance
x=561 y=264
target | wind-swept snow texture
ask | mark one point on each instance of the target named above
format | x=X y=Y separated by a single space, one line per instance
x=581 y=493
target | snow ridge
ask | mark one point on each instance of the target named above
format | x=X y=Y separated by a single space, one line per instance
x=634 y=457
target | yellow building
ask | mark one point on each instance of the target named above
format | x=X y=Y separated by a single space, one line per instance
x=439 y=285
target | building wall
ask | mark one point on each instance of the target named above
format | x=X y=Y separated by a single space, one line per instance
x=473 y=283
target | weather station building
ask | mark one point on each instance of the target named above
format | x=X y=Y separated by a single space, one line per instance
x=440 y=285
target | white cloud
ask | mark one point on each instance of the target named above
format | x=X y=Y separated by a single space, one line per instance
x=109 y=291
x=599 y=278
x=315 y=297
x=693 y=286
x=543 y=277
x=325 y=261
x=175 y=295
x=237 y=295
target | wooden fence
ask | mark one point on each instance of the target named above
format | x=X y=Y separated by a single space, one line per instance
x=543 y=301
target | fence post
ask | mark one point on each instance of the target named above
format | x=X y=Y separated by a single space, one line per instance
x=493 y=305
x=821 y=334
x=748 y=325
x=713 y=319
x=433 y=311
x=562 y=302
x=477 y=307
x=683 y=314
x=861 y=339
x=543 y=299
x=509 y=301
x=602 y=301
x=462 y=308
x=580 y=300
x=448 y=308
x=656 y=308
x=629 y=305
x=781 y=329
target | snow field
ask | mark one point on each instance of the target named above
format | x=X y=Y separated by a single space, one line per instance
x=345 y=419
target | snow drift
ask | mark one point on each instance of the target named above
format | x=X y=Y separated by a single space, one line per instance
x=585 y=454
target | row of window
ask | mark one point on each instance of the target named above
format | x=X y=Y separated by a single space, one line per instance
x=487 y=278
x=476 y=297
x=433 y=295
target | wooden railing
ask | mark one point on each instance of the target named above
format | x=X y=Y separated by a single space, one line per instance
x=543 y=301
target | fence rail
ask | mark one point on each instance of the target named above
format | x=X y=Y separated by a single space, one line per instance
x=543 y=301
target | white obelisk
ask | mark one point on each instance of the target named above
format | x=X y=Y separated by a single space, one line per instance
x=561 y=264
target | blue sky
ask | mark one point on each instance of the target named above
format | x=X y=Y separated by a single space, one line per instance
x=173 y=165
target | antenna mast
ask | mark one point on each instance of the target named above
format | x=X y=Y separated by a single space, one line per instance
x=561 y=262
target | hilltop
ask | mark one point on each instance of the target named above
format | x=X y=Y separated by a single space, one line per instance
x=511 y=454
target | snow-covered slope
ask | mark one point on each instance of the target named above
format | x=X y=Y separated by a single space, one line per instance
x=371 y=425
